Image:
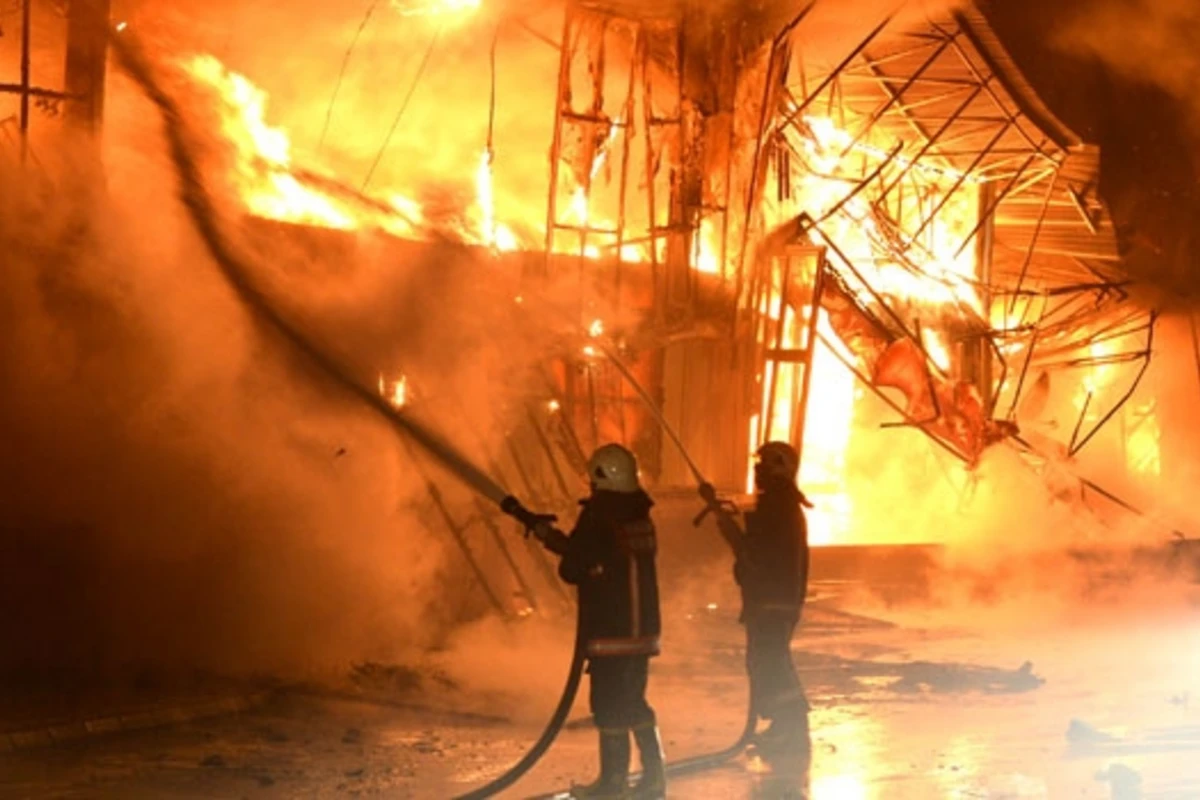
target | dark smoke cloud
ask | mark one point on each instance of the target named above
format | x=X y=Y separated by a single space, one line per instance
x=1150 y=41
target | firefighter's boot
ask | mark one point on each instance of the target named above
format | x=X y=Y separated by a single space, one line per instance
x=613 y=783
x=653 y=783
x=788 y=735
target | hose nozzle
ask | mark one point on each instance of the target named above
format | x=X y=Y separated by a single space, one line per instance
x=515 y=509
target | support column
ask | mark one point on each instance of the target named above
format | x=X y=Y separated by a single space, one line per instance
x=977 y=366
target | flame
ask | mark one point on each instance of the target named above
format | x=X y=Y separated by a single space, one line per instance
x=398 y=395
x=262 y=154
x=1143 y=443
x=268 y=183
x=596 y=328
x=898 y=256
x=434 y=8
x=936 y=348
x=496 y=235
x=935 y=273
x=1096 y=378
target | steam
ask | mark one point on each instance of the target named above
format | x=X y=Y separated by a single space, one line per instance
x=194 y=497
x=179 y=499
x=186 y=494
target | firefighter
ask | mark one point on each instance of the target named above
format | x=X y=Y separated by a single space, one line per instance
x=610 y=557
x=772 y=571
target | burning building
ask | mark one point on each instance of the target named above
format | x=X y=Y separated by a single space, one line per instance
x=518 y=230
x=787 y=228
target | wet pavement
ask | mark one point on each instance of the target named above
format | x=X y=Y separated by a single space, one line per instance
x=1028 y=705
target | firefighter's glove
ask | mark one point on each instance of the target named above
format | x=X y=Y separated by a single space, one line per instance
x=512 y=506
x=708 y=494
x=551 y=537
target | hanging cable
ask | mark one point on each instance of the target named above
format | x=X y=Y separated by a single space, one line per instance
x=403 y=107
x=337 y=87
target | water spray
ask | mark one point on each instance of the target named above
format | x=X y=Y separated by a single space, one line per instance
x=204 y=216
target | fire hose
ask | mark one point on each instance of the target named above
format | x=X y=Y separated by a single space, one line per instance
x=203 y=213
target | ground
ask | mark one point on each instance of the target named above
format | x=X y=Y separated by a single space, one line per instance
x=1039 y=702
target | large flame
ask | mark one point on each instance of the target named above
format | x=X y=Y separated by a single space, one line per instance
x=923 y=268
x=271 y=186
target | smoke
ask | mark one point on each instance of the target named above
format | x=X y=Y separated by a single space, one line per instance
x=1149 y=41
x=833 y=30
x=189 y=494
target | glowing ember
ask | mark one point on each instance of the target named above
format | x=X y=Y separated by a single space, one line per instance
x=596 y=328
x=553 y=406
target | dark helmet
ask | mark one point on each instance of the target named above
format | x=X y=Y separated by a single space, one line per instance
x=776 y=464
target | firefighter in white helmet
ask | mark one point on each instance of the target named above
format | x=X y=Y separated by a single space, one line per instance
x=610 y=557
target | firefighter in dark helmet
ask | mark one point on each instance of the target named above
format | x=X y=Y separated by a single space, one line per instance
x=772 y=571
x=610 y=557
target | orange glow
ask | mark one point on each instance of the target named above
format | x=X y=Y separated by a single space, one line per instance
x=270 y=185
x=914 y=265
x=936 y=348
x=932 y=280
x=434 y=8
x=262 y=170
x=495 y=234
x=947 y=279
x=1143 y=453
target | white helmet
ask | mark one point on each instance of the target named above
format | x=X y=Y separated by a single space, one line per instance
x=612 y=468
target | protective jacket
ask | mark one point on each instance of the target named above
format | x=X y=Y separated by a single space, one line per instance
x=773 y=570
x=610 y=557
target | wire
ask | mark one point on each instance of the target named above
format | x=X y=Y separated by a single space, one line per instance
x=403 y=107
x=337 y=87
